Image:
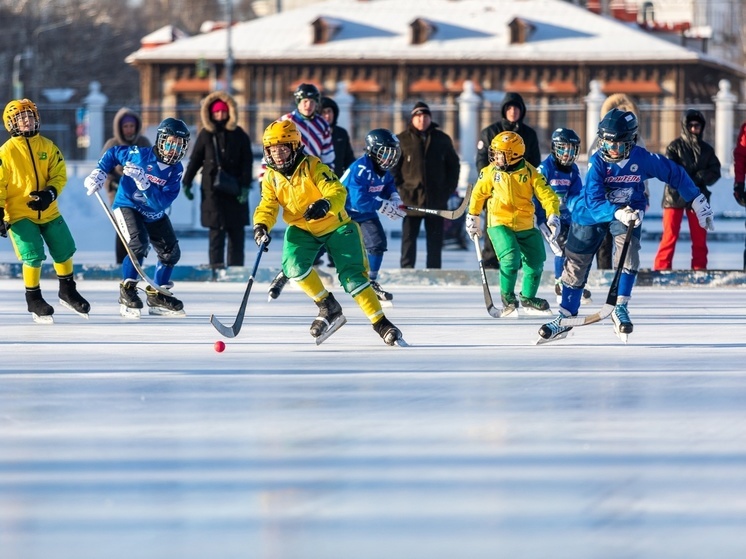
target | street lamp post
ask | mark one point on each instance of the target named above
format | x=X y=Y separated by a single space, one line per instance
x=229 y=48
x=17 y=83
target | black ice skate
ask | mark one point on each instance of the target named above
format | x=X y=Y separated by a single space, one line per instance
x=381 y=293
x=40 y=310
x=129 y=300
x=275 y=288
x=163 y=305
x=535 y=306
x=510 y=304
x=329 y=320
x=622 y=324
x=586 y=297
x=389 y=333
x=553 y=331
x=70 y=298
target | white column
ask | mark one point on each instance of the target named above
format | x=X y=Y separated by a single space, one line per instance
x=95 y=102
x=468 y=117
x=725 y=103
x=593 y=102
x=344 y=101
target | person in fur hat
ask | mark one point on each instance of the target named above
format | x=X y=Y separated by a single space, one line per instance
x=225 y=215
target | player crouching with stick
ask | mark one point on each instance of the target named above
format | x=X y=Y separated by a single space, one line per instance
x=313 y=203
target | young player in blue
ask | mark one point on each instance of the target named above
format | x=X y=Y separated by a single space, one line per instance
x=370 y=189
x=150 y=184
x=613 y=199
x=563 y=176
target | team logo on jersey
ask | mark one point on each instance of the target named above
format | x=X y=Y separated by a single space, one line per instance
x=619 y=195
x=634 y=167
x=43 y=156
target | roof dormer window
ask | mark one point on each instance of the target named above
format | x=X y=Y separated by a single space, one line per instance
x=422 y=30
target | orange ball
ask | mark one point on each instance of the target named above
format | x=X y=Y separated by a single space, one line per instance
x=219 y=346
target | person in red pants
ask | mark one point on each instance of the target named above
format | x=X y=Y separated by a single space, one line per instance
x=701 y=164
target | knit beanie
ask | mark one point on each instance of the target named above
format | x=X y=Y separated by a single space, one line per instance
x=421 y=108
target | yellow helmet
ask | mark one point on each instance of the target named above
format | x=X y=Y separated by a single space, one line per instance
x=16 y=113
x=511 y=145
x=282 y=133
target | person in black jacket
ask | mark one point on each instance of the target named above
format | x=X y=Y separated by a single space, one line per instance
x=700 y=162
x=513 y=111
x=343 y=153
x=426 y=176
x=223 y=214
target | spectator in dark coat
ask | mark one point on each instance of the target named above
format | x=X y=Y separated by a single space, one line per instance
x=223 y=214
x=343 y=154
x=426 y=176
x=700 y=162
x=513 y=111
x=126 y=128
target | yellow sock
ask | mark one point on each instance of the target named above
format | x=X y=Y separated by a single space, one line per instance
x=370 y=305
x=64 y=268
x=312 y=286
x=31 y=276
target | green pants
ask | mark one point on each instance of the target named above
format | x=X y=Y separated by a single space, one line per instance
x=344 y=245
x=28 y=241
x=515 y=250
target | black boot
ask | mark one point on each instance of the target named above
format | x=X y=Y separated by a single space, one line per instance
x=389 y=333
x=163 y=304
x=128 y=295
x=70 y=298
x=37 y=306
x=330 y=313
x=275 y=288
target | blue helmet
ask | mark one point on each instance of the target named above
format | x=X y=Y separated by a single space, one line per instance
x=383 y=148
x=171 y=141
x=617 y=132
x=565 y=146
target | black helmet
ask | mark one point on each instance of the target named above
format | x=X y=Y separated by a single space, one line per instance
x=171 y=151
x=307 y=91
x=565 y=146
x=617 y=132
x=383 y=148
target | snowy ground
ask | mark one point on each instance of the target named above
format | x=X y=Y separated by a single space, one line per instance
x=125 y=439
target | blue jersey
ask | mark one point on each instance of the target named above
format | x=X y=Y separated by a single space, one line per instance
x=165 y=181
x=366 y=190
x=610 y=186
x=566 y=185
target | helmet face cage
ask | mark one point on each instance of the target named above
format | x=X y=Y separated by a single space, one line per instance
x=617 y=133
x=510 y=145
x=172 y=141
x=18 y=116
x=565 y=146
x=281 y=133
x=307 y=91
x=383 y=148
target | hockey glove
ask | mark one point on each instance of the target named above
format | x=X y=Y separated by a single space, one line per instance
x=244 y=196
x=391 y=209
x=136 y=173
x=95 y=181
x=3 y=225
x=553 y=222
x=739 y=194
x=629 y=216
x=473 y=228
x=42 y=199
x=317 y=210
x=187 y=187
x=261 y=235
x=702 y=208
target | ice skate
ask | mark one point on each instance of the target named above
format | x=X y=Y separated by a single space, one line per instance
x=586 y=298
x=558 y=290
x=40 y=310
x=163 y=305
x=383 y=296
x=553 y=331
x=622 y=323
x=510 y=306
x=70 y=298
x=535 y=306
x=389 y=333
x=329 y=320
x=129 y=300
x=277 y=285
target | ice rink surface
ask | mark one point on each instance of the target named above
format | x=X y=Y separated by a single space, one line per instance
x=136 y=440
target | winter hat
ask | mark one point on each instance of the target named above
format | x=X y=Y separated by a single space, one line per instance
x=128 y=118
x=219 y=105
x=421 y=108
